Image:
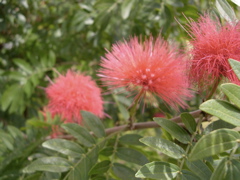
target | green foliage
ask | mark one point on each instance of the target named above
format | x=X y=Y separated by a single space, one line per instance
x=39 y=39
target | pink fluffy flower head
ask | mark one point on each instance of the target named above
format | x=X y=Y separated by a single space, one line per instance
x=71 y=93
x=213 y=44
x=150 y=66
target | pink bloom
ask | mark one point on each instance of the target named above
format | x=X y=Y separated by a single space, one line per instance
x=72 y=93
x=150 y=66
x=213 y=44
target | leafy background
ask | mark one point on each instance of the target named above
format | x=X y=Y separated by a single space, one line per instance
x=40 y=38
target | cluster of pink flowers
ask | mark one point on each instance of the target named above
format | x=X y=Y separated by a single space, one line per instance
x=154 y=67
x=71 y=93
x=213 y=44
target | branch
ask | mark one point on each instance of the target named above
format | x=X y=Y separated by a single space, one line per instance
x=142 y=125
x=145 y=125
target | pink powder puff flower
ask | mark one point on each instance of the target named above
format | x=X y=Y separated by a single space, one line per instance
x=150 y=66
x=71 y=93
x=213 y=44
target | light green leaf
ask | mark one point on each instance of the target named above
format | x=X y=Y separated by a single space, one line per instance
x=158 y=170
x=227 y=170
x=189 y=122
x=94 y=123
x=223 y=110
x=174 y=129
x=64 y=146
x=82 y=135
x=49 y=164
x=123 y=172
x=131 y=139
x=131 y=155
x=214 y=143
x=200 y=169
x=8 y=96
x=23 y=65
x=226 y=10
x=167 y=147
x=233 y=92
x=100 y=167
x=126 y=8
x=235 y=66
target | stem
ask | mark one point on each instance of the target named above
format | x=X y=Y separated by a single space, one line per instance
x=213 y=89
x=142 y=125
x=133 y=109
x=198 y=128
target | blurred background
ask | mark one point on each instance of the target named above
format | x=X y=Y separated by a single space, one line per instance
x=42 y=37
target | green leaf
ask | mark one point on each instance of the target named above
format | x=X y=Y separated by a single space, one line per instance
x=158 y=170
x=126 y=8
x=83 y=136
x=131 y=139
x=108 y=151
x=94 y=123
x=226 y=10
x=8 y=96
x=200 y=169
x=49 y=164
x=219 y=124
x=233 y=92
x=189 y=122
x=123 y=172
x=23 y=65
x=167 y=147
x=100 y=167
x=7 y=140
x=188 y=175
x=235 y=66
x=223 y=110
x=131 y=155
x=64 y=146
x=214 y=143
x=83 y=166
x=174 y=129
x=227 y=170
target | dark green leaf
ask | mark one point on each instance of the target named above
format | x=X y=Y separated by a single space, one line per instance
x=174 y=129
x=108 y=151
x=200 y=169
x=131 y=139
x=123 y=172
x=188 y=175
x=94 y=123
x=214 y=143
x=235 y=66
x=131 y=155
x=158 y=170
x=219 y=124
x=83 y=136
x=83 y=166
x=223 y=110
x=167 y=147
x=189 y=122
x=49 y=164
x=233 y=92
x=64 y=146
x=100 y=168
